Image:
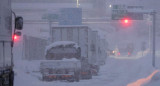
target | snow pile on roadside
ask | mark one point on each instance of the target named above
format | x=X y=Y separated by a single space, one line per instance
x=120 y=72
x=27 y=66
x=144 y=68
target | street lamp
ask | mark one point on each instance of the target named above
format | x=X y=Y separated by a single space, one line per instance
x=110 y=6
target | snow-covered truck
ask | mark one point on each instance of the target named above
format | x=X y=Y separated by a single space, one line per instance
x=63 y=62
x=81 y=35
x=101 y=51
x=94 y=57
x=98 y=48
x=7 y=41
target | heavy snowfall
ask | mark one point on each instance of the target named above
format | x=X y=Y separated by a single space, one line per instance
x=118 y=67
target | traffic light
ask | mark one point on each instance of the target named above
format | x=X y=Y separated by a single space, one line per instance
x=126 y=22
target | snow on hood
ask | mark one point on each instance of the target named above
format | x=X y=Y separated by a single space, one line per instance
x=73 y=59
x=61 y=43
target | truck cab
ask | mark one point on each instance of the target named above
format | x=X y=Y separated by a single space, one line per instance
x=63 y=62
x=7 y=41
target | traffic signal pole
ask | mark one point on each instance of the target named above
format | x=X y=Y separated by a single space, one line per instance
x=154 y=38
x=153 y=14
x=118 y=12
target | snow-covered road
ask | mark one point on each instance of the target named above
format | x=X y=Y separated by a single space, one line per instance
x=116 y=72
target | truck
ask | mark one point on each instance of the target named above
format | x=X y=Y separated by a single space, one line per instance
x=63 y=62
x=92 y=46
x=80 y=34
x=7 y=42
x=87 y=39
x=102 y=47
x=94 y=53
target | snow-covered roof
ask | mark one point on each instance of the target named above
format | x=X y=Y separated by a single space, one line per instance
x=61 y=43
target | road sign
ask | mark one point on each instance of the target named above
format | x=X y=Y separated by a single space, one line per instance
x=132 y=12
x=70 y=16
x=118 y=12
x=135 y=7
x=135 y=16
x=50 y=17
x=119 y=7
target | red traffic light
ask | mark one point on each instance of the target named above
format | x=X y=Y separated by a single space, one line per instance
x=126 y=21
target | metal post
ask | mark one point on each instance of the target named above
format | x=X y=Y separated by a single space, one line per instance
x=3 y=44
x=149 y=41
x=50 y=29
x=153 y=37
